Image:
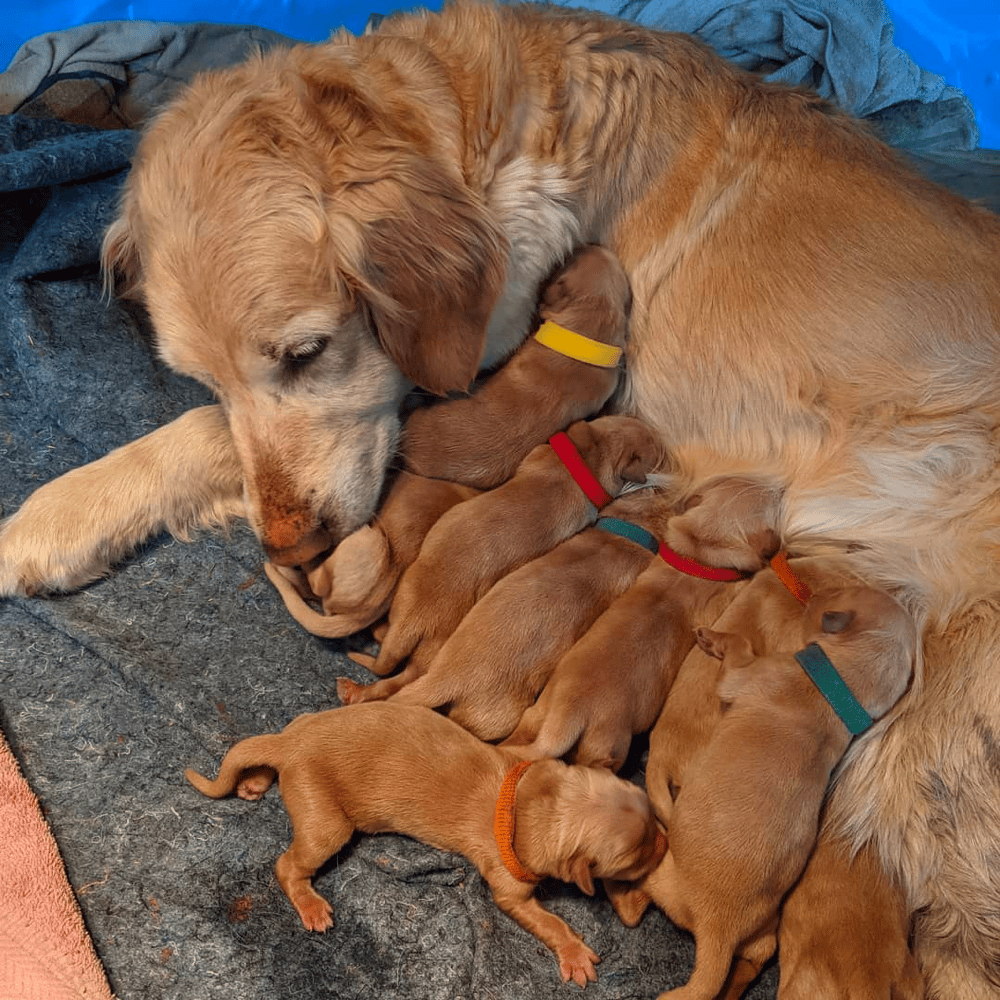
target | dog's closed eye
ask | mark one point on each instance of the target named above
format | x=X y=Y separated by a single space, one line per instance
x=307 y=350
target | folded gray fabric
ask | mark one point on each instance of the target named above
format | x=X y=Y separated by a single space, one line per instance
x=841 y=48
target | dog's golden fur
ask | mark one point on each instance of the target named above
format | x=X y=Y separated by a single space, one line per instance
x=321 y=227
x=385 y=768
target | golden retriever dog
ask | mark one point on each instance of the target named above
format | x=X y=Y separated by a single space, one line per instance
x=367 y=768
x=746 y=819
x=481 y=438
x=488 y=672
x=601 y=693
x=323 y=227
x=357 y=581
x=476 y=543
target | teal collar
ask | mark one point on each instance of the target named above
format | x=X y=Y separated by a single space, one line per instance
x=831 y=686
x=630 y=531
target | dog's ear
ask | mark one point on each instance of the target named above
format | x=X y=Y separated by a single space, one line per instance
x=710 y=642
x=435 y=267
x=834 y=622
x=580 y=874
x=628 y=900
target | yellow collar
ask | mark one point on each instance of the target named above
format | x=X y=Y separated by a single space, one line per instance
x=577 y=346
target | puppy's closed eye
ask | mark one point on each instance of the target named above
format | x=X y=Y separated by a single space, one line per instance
x=307 y=350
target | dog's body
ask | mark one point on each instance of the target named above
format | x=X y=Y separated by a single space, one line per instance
x=357 y=581
x=498 y=658
x=611 y=685
x=474 y=545
x=803 y=304
x=385 y=768
x=480 y=439
x=746 y=819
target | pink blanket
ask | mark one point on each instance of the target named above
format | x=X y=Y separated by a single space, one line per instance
x=45 y=951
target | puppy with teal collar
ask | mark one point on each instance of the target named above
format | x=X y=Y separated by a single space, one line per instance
x=747 y=816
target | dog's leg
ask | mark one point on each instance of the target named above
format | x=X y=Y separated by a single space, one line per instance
x=604 y=745
x=351 y=693
x=72 y=530
x=321 y=829
x=576 y=960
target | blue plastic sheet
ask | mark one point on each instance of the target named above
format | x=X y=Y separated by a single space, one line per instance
x=959 y=40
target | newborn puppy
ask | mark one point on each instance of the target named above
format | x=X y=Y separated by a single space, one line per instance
x=746 y=818
x=476 y=543
x=600 y=694
x=496 y=661
x=356 y=582
x=385 y=768
x=480 y=439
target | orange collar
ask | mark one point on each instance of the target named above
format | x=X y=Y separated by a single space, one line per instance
x=800 y=591
x=503 y=823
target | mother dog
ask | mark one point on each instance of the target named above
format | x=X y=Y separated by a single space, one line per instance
x=320 y=229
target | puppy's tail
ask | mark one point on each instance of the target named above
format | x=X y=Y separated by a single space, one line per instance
x=325 y=626
x=256 y=751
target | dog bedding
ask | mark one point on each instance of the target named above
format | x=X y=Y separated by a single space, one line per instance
x=107 y=694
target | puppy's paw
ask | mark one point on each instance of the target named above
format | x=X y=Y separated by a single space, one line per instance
x=255 y=782
x=576 y=963
x=349 y=692
x=315 y=912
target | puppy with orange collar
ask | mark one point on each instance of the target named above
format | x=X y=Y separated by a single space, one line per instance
x=380 y=768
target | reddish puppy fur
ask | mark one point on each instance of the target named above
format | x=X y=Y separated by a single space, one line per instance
x=386 y=768
x=746 y=818
x=605 y=691
x=480 y=439
x=356 y=582
x=497 y=659
x=475 y=544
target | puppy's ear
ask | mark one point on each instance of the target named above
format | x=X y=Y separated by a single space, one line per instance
x=436 y=265
x=710 y=642
x=834 y=622
x=580 y=874
x=629 y=901
x=120 y=261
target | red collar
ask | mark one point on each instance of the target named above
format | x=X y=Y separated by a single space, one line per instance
x=503 y=823
x=714 y=573
x=579 y=470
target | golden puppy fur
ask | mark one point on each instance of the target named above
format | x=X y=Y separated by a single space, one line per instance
x=367 y=768
x=498 y=658
x=348 y=219
x=605 y=690
x=480 y=439
x=746 y=819
x=475 y=544
x=357 y=581
x=846 y=922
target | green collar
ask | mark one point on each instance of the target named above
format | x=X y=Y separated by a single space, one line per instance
x=831 y=685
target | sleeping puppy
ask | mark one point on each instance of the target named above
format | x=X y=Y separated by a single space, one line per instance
x=487 y=671
x=387 y=768
x=356 y=582
x=846 y=922
x=599 y=696
x=476 y=543
x=746 y=818
x=480 y=439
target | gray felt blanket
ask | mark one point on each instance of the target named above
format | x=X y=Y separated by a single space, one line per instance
x=107 y=694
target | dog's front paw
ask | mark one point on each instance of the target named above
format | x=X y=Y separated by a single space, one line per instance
x=315 y=912
x=576 y=963
x=349 y=692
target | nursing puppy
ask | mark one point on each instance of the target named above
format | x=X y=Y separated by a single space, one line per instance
x=746 y=818
x=480 y=439
x=356 y=582
x=497 y=659
x=475 y=544
x=368 y=768
x=611 y=685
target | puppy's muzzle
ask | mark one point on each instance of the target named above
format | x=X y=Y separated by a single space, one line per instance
x=306 y=547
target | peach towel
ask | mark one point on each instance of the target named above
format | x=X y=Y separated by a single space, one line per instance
x=45 y=950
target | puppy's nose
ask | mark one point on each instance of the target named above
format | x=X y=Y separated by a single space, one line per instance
x=303 y=549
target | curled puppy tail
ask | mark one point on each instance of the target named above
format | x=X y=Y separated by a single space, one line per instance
x=255 y=752
x=325 y=626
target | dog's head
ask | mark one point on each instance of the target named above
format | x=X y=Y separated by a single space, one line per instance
x=871 y=639
x=301 y=232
